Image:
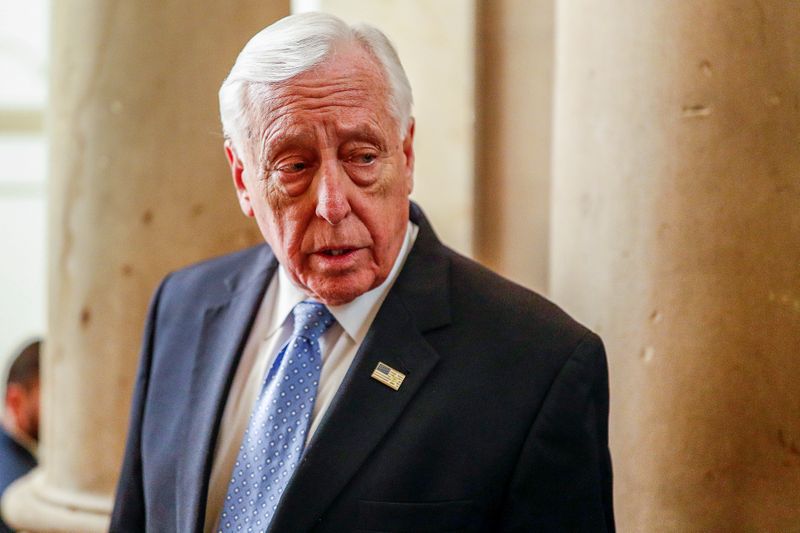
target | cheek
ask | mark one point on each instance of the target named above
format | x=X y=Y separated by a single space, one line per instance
x=269 y=211
x=387 y=222
x=285 y=227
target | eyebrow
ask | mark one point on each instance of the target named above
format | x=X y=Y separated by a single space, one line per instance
x=290 y=140
x=365 y=133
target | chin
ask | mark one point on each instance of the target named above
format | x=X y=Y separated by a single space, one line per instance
x=338 y=296
x=343 y=291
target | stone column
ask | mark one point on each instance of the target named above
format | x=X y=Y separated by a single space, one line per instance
x=138 y=186
x=676 y=235
x=514 y=103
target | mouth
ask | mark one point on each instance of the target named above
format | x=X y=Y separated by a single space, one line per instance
x=337 y=255
x=336 y=252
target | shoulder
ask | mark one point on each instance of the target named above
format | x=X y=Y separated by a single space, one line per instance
x=510 y=343
x=493 y=303
x=218 y=269
x=15 y=461
x=219 y=275
x=182 y=294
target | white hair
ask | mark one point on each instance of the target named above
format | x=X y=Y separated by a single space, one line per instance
x=291 y=46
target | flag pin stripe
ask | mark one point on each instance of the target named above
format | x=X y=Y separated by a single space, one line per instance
x=388 y=376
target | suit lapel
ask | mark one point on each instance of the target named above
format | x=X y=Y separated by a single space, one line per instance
x=226 y=324
x=364 y=410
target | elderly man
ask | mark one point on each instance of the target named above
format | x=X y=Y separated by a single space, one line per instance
x=353 y=373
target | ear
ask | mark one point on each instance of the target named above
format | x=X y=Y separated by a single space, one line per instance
x=237 y=173
x=14 y=399
x=408 y=152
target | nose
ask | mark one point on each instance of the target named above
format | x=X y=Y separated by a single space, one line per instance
x=332 y=202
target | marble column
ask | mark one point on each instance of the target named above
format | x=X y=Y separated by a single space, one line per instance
x=138 y=186
x=513 y=143
x=676 y=235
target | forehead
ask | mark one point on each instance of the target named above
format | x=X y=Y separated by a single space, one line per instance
x=348 y=89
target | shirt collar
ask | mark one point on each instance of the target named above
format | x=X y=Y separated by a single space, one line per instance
x=355 y=317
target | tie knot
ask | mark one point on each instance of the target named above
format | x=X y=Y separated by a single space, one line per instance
x=311 y=320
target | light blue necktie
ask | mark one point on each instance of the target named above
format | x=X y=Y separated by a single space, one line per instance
x=276 y=434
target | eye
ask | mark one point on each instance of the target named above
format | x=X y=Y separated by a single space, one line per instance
x=363 y=158
x=293 y=167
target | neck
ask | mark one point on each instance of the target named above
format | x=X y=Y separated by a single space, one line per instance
x=11 y=427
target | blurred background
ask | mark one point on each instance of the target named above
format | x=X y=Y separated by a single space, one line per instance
x=636 y=162
x=24 y=38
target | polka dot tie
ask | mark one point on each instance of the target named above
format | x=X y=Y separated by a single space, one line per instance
x=276 y=434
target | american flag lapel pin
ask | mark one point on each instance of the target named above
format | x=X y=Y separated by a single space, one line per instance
x=388 y=376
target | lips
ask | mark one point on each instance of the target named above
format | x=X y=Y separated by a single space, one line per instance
x=337 y=256
x=336 y=252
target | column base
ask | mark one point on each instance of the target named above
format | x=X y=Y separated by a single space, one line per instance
x=30 y=504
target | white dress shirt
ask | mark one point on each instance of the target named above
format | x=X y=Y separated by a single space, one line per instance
x=271 y=330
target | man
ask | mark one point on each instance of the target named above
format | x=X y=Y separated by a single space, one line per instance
x=354 y=373
x=20 y=423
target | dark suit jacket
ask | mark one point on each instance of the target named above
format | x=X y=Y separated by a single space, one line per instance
x=500 y=424
x=15 y=462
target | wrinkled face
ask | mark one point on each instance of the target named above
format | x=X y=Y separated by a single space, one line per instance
x=327 y=177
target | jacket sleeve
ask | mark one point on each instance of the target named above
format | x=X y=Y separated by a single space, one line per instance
x=129 y=505
x=563 y=479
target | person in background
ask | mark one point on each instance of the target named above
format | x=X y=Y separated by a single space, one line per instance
x=19 y=431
